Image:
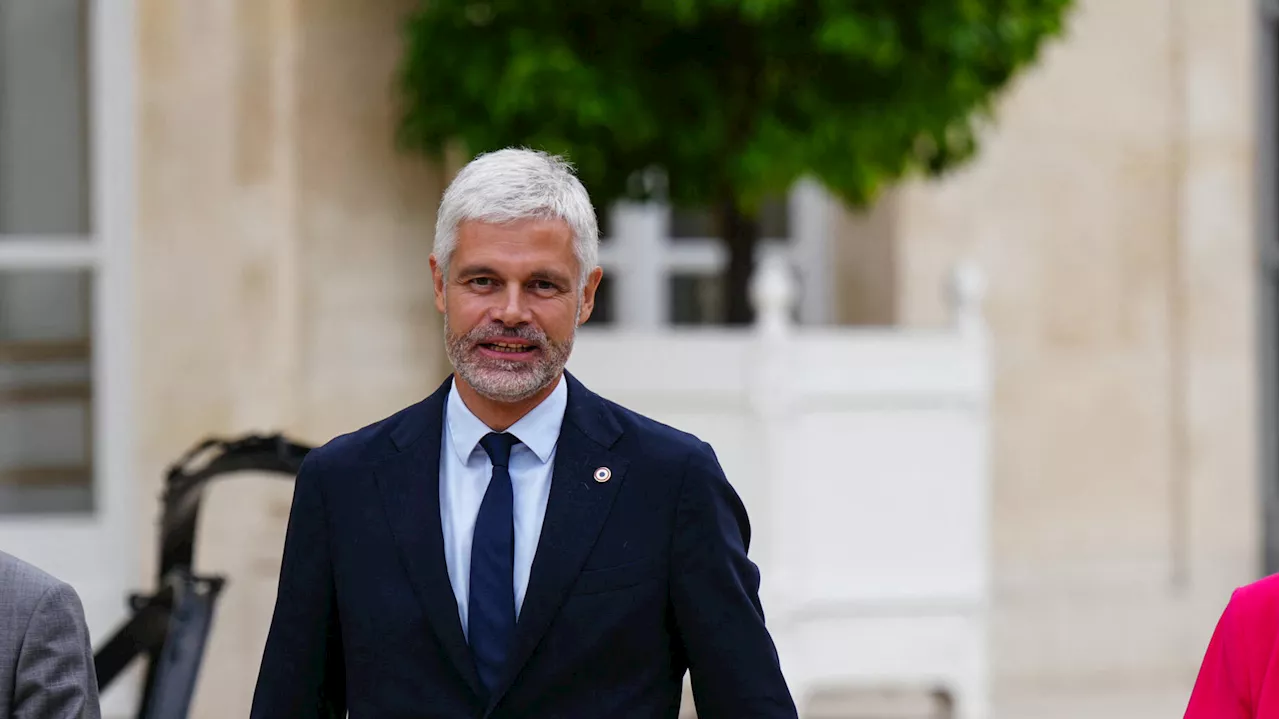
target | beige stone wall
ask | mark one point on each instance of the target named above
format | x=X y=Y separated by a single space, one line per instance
x=1111 y=211
x=282 y=265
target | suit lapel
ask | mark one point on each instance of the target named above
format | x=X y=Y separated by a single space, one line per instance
x=576 y=511
x=410 y=486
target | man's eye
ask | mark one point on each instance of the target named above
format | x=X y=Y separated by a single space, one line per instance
x=482 y=282
x=543 y=285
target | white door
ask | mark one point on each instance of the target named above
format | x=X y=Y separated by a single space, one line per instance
x=65 y=218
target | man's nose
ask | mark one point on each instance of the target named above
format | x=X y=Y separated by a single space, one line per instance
x=514 y=309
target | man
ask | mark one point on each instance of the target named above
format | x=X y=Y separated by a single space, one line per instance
x=46 y=661
x=514 y=545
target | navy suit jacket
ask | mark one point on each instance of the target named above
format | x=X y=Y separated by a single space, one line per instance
x=635 y=580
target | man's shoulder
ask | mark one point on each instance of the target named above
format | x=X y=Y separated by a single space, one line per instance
x=26 y=585
x=674 y=456
x=653 y=436
x=17 y=571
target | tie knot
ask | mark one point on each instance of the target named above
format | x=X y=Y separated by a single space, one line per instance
x=498 y=447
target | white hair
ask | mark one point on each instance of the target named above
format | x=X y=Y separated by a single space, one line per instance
x=518 y=184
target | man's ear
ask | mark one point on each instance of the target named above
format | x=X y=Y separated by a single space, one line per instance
x=437 y=280
x=589 y=295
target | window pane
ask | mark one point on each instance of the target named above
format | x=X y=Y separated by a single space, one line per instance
x=696 y=299
x=43 y=143
x=695 y=223
x=691 y=223
x=45 y=393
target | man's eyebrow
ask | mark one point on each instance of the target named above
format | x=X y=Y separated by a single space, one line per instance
x=552 y=276
x=549 y=275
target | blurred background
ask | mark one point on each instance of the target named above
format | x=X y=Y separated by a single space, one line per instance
x=1034 y=298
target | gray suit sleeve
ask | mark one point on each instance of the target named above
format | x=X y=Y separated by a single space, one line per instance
x=55 y=674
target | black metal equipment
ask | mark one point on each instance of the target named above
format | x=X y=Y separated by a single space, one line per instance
x=171 y=625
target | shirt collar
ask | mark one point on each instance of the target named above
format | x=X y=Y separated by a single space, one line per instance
x=538 y=430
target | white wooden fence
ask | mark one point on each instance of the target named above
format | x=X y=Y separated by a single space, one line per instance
x=861 y=456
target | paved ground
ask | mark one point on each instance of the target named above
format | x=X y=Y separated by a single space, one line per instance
x=1132 y=703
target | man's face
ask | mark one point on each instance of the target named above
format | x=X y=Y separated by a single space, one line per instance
x=511 y=305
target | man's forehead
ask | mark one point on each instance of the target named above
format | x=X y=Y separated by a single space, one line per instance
x=534 y=249
x=513 y=242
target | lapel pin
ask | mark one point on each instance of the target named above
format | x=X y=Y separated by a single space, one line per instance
x=603 y=474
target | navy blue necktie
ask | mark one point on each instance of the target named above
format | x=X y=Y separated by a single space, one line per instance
x=491 y=617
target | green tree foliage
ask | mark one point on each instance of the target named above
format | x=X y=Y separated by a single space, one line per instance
x=730 y=101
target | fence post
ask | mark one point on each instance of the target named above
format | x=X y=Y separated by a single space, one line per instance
x=773 y=293
x=811 y=218
x=965 y=292
x=777 y=544
x=642 y=299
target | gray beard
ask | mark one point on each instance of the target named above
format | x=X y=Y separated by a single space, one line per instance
x=506 y=381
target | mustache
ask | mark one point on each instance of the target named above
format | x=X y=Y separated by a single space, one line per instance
x=526 y=333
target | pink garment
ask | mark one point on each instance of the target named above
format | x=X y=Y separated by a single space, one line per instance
x=1238 y=676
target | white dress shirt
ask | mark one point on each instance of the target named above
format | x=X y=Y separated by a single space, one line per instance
x=464 y=476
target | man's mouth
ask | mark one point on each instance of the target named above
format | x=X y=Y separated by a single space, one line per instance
x=515 y=347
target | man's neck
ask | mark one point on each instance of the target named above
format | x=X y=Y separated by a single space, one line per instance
x=499 y=416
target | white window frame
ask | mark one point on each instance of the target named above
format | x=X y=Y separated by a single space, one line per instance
x=109 y=532
x=639 y=257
